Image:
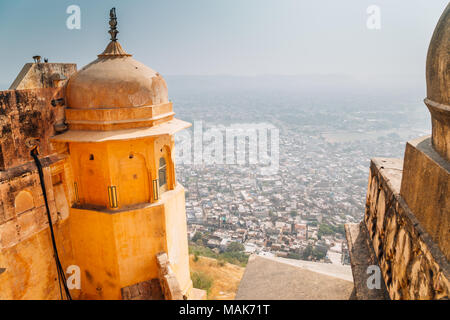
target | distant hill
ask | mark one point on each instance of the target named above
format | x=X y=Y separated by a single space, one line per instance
x=294 y=84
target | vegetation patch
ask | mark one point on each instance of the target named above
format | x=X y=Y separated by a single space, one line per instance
x=233 y=254
x=201 y=280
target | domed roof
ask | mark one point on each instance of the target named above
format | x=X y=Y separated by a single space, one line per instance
x=438 y=85
x=115 y=80
x=438 y=64
x=117 y=98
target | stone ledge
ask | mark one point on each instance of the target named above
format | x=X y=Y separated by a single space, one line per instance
x=197 y=294
x=168 y=281
x=361 y=257
x=391 y=169
x=274 y=279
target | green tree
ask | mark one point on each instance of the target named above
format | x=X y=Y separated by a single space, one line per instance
x=293 y=255
x=324 y=230
x=197 y=236
x=319 y=252
x=235 y=247
x=307 y=252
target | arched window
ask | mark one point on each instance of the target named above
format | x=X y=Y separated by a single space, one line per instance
x=162 y=172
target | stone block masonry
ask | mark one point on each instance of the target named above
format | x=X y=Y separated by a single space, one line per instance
x=412 y=264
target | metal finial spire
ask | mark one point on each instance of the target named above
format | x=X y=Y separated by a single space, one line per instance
x=113 y=49
x=113 y=23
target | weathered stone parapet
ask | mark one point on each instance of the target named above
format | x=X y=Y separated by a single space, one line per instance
x=362 y=258
x=43 y=75
x=168 y=281
x=412 y=265
x=27 y=118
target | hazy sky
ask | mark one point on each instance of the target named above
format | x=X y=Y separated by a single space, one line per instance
x=233 y=37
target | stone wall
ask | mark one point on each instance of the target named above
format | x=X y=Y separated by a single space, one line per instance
x=26 y=250
x=412 y=265
x=43 y=75
x=168 y=281
x=146 y=290
x=28 y=117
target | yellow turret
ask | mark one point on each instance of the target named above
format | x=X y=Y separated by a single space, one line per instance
x=128 y=205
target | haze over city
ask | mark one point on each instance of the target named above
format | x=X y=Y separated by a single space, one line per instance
x=241 y=38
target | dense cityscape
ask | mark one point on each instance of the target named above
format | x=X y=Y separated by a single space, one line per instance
x=325 y=152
